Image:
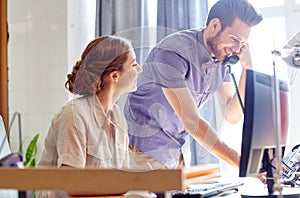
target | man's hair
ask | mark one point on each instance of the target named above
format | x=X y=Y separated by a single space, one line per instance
x=228 y=10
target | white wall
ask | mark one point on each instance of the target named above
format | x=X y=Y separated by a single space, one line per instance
x=46 y=38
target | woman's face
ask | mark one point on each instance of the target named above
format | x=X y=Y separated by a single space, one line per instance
x=128 y=79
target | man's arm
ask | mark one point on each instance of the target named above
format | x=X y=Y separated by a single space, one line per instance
x=230 y=104
x=229 y=100
x=184 y=106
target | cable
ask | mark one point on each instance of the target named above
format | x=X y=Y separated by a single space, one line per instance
x=237 y=89
x=231 y=60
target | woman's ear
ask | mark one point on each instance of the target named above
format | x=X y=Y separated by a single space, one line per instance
x=114 y=76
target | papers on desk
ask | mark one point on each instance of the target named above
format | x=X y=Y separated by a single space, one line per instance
x=202 y=173
x=201 y=170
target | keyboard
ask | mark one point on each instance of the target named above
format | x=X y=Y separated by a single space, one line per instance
x=206 y=190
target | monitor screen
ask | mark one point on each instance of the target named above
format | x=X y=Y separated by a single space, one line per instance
x=259 y=129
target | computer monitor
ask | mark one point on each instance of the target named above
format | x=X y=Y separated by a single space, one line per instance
x=259 y=129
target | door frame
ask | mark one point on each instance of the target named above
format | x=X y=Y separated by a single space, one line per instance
x=3 y=62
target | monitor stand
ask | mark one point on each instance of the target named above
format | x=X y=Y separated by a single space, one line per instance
x=268 y=167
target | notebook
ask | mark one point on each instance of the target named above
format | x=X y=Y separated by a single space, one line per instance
x=5 y=151
x=4 y=145
x=7 y=158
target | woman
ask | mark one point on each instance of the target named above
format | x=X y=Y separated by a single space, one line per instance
x=90 y=130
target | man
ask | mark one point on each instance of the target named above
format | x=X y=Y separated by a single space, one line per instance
x=181 y=73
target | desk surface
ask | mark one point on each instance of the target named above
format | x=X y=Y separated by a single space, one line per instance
x=108 y=181
x=102 y=181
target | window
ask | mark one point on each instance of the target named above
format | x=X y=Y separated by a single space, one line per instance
x=277 y=27
x=267 y=3
x=269 y=35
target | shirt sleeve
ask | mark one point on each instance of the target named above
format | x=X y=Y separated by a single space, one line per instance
x=71 y=147
x=122 y=137
x=169 y=69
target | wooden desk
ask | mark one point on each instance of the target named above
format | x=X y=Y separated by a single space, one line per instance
x=102 y=181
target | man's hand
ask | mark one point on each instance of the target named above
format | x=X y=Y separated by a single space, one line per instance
x=245 y=56
x=262 y=177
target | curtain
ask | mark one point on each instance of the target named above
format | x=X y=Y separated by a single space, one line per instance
x=128 y=19
x=172 y=16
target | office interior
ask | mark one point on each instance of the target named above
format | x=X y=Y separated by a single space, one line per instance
x=47 y=37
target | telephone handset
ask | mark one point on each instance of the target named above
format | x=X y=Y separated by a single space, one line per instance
x=231 y=60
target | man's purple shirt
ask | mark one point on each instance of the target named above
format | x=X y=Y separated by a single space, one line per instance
x=180 y=60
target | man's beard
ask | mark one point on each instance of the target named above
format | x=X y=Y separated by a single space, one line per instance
x=212 y=45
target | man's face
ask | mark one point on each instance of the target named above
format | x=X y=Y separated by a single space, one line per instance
x=229 y=41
